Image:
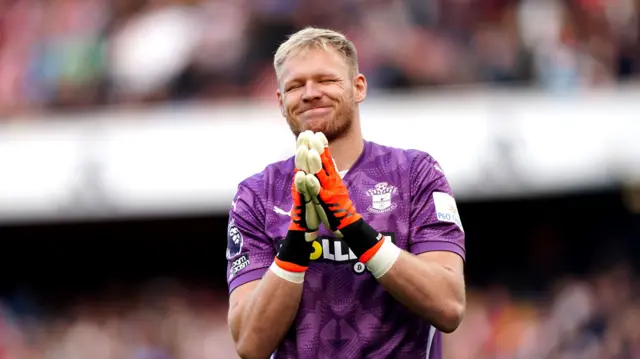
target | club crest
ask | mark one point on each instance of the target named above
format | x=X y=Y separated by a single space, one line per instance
x=381 y=198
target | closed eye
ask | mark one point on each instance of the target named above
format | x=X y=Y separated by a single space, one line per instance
x=292 y=87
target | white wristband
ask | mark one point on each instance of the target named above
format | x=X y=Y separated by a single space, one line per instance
x=384 y=258
x=294 y=277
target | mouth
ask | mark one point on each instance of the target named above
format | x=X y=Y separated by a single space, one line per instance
x=317 y=110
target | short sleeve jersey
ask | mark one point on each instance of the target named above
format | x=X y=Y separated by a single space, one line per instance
x=344 y=312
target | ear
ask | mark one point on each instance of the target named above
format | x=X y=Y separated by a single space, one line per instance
x=360 y=87
x=280 y=102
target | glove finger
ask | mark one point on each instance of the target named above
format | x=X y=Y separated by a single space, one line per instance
x=328 y=219
x=314 y=162
x=312 y=221
x=311 y=216
x=319 y=136
x=322 y=216
x=302 y=186
x=314 y=188
x=328 y=163
x=304 y=138
x=301 y=158
x=312 y=185
x=300 y=182
x=318 y=142
x=324 y=178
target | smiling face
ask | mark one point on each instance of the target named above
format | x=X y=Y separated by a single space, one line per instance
x=319 y=91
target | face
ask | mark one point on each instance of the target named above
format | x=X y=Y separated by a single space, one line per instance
x=319 y=92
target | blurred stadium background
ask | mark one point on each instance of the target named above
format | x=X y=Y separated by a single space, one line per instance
x=125 y=127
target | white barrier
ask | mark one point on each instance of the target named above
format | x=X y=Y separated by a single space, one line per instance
x=191 y=158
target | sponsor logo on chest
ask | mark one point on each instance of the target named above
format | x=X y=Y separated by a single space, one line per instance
x=328 y=249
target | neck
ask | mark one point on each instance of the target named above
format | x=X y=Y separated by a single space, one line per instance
x=347 y=149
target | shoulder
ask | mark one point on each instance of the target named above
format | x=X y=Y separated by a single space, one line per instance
x=412 y=157
x=273 y=173
x=419 y=168
x=255 y=193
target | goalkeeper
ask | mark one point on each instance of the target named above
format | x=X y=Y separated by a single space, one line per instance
x=348 y=249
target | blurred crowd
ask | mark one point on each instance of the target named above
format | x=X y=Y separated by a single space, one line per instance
x=78 y=54
x=595 y=317
x=162 y=321
x=61 y=54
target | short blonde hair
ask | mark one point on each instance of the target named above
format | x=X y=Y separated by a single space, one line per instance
x=311 y=37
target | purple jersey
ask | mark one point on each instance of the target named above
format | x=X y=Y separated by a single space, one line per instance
x=344 y=312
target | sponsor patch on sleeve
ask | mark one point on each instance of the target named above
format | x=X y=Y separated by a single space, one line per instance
x=234 y=240
x=238 y=265
x=446 y=208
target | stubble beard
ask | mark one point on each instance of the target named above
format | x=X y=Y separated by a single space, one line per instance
x=334 y=129
x=340 y=126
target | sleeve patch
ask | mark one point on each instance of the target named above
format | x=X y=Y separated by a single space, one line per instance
x=238 y=265
x=446 y=208
x=234 y=240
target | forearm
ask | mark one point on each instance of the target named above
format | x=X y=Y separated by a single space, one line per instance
x=429 y=289
x=266 y=316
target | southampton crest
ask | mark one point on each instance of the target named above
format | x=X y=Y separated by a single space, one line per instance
x=381 y=198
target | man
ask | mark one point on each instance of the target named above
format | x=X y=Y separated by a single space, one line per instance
x=382 y=281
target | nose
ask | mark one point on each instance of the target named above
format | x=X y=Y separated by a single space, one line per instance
x=311 y=92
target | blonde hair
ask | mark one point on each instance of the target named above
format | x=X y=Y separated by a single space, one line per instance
x=310 y=38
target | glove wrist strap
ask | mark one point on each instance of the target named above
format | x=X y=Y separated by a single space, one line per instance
x=294 y=254
x=293 y=277
x=361 y=237
x=372 y=249
x=384 y=258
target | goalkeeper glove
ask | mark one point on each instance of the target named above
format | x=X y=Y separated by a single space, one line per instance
x=293 y=257
x=336 y=210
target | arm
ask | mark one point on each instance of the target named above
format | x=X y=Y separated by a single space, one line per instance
x=265 y=292
x=431 y=284
x=429 y=278
x=260 y=314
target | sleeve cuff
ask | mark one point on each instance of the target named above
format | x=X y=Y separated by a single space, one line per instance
x=247 y=277
x=432 y=246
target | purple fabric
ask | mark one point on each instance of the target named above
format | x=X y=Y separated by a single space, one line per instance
x=344 y=312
